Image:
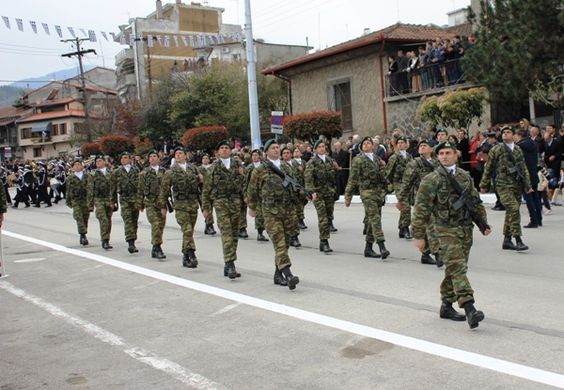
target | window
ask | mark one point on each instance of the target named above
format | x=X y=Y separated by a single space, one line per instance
x=55 y=130
x=36 y=152
x=62 y=128
x=26 y=132
x=342 y=102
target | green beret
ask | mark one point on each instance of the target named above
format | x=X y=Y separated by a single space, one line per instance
x=152 y=151
x=367 y=139
x=424 y=142
x=77 y=160
x=179 y=149
x=446 y=144
x=257 y=151
x=317 y=143
x=507 y=127
x=221 y=143
x=441 y=130
x=100 y=157
x=268 y=143
x=125 y=154
x=402 y=138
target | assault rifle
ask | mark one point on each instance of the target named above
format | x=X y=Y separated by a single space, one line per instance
x=469 y=203
x=516 y=170
x=289 y=181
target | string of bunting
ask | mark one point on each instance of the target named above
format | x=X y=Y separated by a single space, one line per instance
x=163 y=40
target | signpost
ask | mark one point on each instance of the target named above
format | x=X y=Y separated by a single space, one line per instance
x=276 y=121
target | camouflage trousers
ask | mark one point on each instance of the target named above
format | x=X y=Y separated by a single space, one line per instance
x=455 y=244
x=242 y=215
x=157 y=221
x=373 y=218
x=228 y=211
x=186 y=216
x=405 y=212
x=80 y=213
x=431 y=241
x=104 y=211
x=130 y=216
x=300 y=210
x=209 y=218
x=324 y=205
x=510 y=198
x=294 y=221
x=279 y=230
x=259 y=219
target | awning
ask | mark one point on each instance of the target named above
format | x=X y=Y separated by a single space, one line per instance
x=44 y=127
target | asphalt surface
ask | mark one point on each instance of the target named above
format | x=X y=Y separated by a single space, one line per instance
x=85 y=318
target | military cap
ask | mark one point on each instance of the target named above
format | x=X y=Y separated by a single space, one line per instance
x=441 y=130
x=490 y=133
x=257 y=151
x=179 y=149
x=152 y=151
x=444 y=145
x=122 y=154
x=317 y=143
x=221 y=143
x=99 y=157
x=268 y=143
x=77 y=160
x=402 y=138
x=367 y=138
x=507 y=127
x=424 y=142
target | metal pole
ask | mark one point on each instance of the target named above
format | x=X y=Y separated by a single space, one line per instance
x=252 y=78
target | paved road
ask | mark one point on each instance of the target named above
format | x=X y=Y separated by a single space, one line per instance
x=84 y=318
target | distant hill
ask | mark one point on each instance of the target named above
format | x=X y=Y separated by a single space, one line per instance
x=36 y=82
x=9 y=94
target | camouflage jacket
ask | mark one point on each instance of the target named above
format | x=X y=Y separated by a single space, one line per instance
x=265 y=188
x=500 y=162
x=77 y=190
x=436 y=198
x=222 y=182
x=396 y=167
x=100 y=188
x=248 y=172
x=183 y=186
x=320 y=177
x=126 y=183
x=415 y=171
x=149 y=188
x=368 y=176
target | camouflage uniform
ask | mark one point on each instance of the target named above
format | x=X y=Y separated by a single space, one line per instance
x=395 y=170
x=298 y=204
x=299 y=167
x=125 y=185
x=102 y=196
x=435 y=199
x=76 y=199
x=224 y=188
x=183 y=185
x=259 y=219
x=148 y=193
x=320 y=178
x=204 y=172
x=506 y=183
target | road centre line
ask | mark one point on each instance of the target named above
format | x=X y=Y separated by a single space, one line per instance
x=443 y=351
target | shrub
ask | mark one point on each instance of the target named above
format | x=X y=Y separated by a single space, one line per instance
x=204 y=138
x=309 y=126
x=113 y=145
x=90 y=149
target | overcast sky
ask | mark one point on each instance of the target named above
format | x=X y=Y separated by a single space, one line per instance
x=323 y=22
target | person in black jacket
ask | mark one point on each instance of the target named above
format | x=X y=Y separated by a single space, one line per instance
x=529 y=148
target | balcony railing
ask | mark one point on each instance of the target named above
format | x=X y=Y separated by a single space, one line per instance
x=425 y=78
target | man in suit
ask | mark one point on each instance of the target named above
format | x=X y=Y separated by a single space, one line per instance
x=552 y=152
x=529 y=149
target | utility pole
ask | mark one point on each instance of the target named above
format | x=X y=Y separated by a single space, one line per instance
x=79 y=53
x=252 y=78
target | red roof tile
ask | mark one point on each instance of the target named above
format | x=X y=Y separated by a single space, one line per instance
x=52 y=115
x=56 y=102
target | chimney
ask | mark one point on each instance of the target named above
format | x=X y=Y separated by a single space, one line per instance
x=159 y=9
x=366 y=31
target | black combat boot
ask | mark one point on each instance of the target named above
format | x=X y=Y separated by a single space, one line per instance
x=231 y=270
x=426 y=258
x=131 y=246
x=189 y=260
x=83 y=240
x=290 y=279
x=364 y=229
x=302 y=225
x=474 y=316
x=384 y=253
x=324 y=246
x=520 y=245
x=279 y=278
x=401 y=233
x=407 y=233
x=438 y=260
x=508 y=244
x=106 y=244
x=243 y=233
x=369 y=252
x=154 y=252
x=260 y=236
x=332 y=228
x=159 y=252
x=448 y=312
x=295 y=242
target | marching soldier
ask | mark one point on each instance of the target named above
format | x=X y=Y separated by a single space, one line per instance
x=77 y=199
x=148 y=199
x=203 y=169
x=320 y=179
x=512 y=179
x=415 y=171
x=294 y=240
x=300 y=168
x=368 y=174
x=395 y=170
x=183 y=182
x=259 y=219
x=276 y=200
x=224 y=188
x=102 y=196
x=42 y=185
x=21 y=190
x=436 y=198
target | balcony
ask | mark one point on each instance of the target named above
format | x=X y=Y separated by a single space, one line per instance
x=125 y=54
x=125 y=80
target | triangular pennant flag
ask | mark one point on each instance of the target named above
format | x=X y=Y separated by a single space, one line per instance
x=191 y=41
x=122 y=39
x=104 y=35
x=6 y=21
x=92 y=36
x=175 y=39
x=113 y=36
x=201 y=40
x=83 y=31
x=160 y=40
x=221 y=38
x=33 y=26
x=150 y=42
x=71 y=31
x=184 y=40
x=19 y=22
x=46 y=28
x=59 y=31
x=166 y=41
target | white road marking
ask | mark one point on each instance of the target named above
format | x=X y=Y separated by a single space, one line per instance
x=30 y=260
x=173 y=369
x=459 y=355
x=226 y=309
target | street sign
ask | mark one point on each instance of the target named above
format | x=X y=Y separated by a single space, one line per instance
x=276 y=121
x=8 y=152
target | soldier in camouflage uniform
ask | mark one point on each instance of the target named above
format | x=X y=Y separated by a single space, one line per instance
x=435 y=199
x=102 y=196
x=266 y=189
x=150 y=180
x=287 y=158
x=182 y=181
x=320 y=178
x=299 y=164
x=416 y=169
x=125 y=183
x=259 y=219
x=76 y=199
x=368 y=175
x=395 y=169
x=224 y=189
x=203 y=169
x=512 y=179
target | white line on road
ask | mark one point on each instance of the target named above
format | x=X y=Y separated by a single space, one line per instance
x=36 y=259
x=171 y=368
x=459 y=355
x=226 y=309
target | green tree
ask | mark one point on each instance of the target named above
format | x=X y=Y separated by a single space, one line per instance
x=310 y=125
x=153 y=114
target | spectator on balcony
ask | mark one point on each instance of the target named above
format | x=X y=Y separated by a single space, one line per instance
x=423 y=71
x=403 y=64
x=393 y=72
x=458 y=53
x=437 y=60
x=413 y=70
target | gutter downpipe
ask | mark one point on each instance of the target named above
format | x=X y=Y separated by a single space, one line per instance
x=289 y=82
x=382 y=86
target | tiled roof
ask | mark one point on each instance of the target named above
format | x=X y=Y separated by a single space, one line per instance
x=52 y=115
x=56 y=102
x=8 y=111
x=399 y=32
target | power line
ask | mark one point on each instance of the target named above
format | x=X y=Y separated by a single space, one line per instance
x=28 y=47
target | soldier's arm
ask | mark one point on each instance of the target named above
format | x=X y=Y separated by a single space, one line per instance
x=309 y=182
x=391 y=166
x=352 y=183
x=488 y=169
x=407 y=180
x=253 y=190
x=68 y=195
x=90 y=190
x=207 y=189
x=140 y=197
x=424 y=204
x=164 y=193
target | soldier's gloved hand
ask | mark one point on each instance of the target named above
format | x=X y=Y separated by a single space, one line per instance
x=252 y=213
